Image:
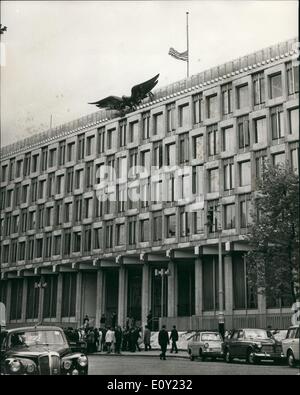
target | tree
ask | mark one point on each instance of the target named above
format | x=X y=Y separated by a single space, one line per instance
x=273 y=262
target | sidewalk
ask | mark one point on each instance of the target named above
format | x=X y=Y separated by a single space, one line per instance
x=153 y=353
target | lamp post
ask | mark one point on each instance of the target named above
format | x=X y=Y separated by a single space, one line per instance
x=162 y=273
x=41 y=285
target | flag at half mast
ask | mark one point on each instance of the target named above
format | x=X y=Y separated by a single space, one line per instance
x=179 y=55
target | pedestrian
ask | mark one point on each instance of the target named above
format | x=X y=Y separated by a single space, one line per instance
x=103 y=345
x=113 y=320
x=136 y=336
x=147 y=338
x=125 y=342
x=109 y=339
x=163 y=341
x=174 y=338
x=118 y=338
x=96 y=344
x=149 y=320
x=86 y=322
x=90 y=341
x=131 y=340
x=100 y=334
x=102 y=321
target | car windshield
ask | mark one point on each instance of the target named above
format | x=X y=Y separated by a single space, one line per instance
x=29 y=338
x=255 y=334
x=210 y=337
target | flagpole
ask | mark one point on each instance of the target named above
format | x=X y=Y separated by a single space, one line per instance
x=187 y=45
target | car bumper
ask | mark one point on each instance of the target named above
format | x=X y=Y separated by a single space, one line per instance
x=266 y=355
x=212 y=353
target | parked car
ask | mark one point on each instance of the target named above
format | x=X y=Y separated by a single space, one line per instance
x=290 y=345
x=254 y=345
x=39 y=350
x=205 y=345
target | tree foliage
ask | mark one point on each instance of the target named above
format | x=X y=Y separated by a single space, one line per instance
x=273 y=262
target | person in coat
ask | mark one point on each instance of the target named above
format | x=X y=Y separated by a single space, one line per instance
x=174 y=338
x=109 y=339
x=147 y=338
x=118 y=337
x=163 y=341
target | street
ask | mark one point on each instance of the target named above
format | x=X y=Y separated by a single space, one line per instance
x=140 y=365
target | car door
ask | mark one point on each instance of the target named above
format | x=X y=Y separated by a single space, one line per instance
x=233 y=343
x=240 y=344
x=295 y=345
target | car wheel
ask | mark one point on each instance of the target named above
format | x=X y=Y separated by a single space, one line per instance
x=228 y=357
x=291 y=359
x=251 y=359
x=191 y=355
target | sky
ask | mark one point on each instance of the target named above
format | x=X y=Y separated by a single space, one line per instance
x=56 y=56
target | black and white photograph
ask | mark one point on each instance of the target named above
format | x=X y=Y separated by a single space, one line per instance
x=149 y=190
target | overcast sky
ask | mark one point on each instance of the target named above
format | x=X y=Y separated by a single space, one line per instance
x=59 y=55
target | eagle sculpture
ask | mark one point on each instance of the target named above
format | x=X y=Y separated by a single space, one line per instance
x=129 y=103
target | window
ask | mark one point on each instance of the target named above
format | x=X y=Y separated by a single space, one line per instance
x=21 y=251
x=229 y=216
x=213 y=180
x=80 y=146
x=157 y=155
x=184 y=224
x=228 y=139
x=184 y=115
x=145 y=161
x=50 y=297
x=213 y=140
x=158 y=123
x=243 y=132
x=31 y=220
x=170 y=225
x=34 y=186
x=101 y=140
x=30 y=248
x=17 y=195
x=59 y=184
x=49 y=216
x=2 y=198
x=15 y=224
x=228 y=174
x=294 y=121
x=197 y=108
x=292 y=78
x=88 y=207
x=4 y=173
x=98 y=207
x=260 y=158
x=122 y=168
x=275 y=85
x=279 y=159
x=226 y=99
x=244 y=296
x=277 y=122
x=242 y=96
x=171 y=117
x=245 y=211
x=42 y=184
x=25 y=193
x=5 y=253
x=40 y=216
x=16 y=299
x=184 y=148
x=171 y=155
x=90 y=145
x=122 y=133
x=145 y=230
x=198 y=180
x=77 y=241
x=44 y=159
x=35 y=159
x=61 y=153
x=157 y=226
x=98 y=238
x=133 y=157
x=52 y=157
x=120 y=228
x=89 y=174
x=198 y=149
x=68 y=212
x=9 y=198
x=79 y=179
x=7 y=224
x=121 y=197
x=39 y=248
x=70 y=151
x=144 y=192
x=69 y=180
x=33 y=294
x=260 y=130
x=11 y=172
x=198 y=221
x=295 y=159
x=24 y=221
x=210 y=283
x=156 y=190
x=110 y=138
x=18 y=168
x=14 y=250
x=146 y=125
x=58 y=212
x=133 y=131
x=26 y=167
x=259 y=88
x=109 y=235
x=48 y=245
x=245 y=173
x=69 y=281
x=50 y=185
x=78 y=208
x=212 y=106
x=87 y=242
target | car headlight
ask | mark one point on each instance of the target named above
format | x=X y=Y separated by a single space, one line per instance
x=82 y=360
x=206 y=345
x=15 y=366
x=30 y=367
x=67 y=364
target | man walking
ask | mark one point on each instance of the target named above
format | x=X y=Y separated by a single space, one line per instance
x=174 y=338
x=109 y=339
x=163 y=341
x=147 y=338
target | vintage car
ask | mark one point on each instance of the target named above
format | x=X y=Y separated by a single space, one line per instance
x=290 y=345
x=39 y=350
x=205 y=345
x=254 y=345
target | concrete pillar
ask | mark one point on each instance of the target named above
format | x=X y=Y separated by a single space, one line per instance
x=122 y=296
x=146 y=296
x=100 y=295
x=8 y=301
x=24 y=299
x=198 y=287
x=59 y=297
x=78 y=299
x=172 y=290
x=228 y=292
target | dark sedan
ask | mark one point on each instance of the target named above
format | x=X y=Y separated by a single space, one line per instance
x=40 y=350
x=254 y=345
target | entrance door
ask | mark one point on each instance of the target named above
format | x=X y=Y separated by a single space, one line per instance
x=186 y=289
x=111 y=293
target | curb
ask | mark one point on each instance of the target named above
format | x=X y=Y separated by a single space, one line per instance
x=137 y=354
